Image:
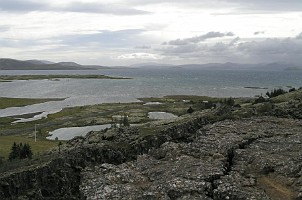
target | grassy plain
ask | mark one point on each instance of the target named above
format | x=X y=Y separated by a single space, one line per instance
x=39 y=146
x=88 y=115
x=78 y=116
x=18 y=102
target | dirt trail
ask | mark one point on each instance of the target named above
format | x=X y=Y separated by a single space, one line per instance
x=275 y=189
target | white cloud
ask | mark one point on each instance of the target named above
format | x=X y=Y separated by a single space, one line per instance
x=113 y=32
x=101 y=8
x=4 y=28
x=200 y=38
x=234 y=41
x=143 y=47
x=259 y=32
x=21 y=5
x=73 y=6
x=139 y=56
x=299 y=36
x=267 y=50
x=268 y=5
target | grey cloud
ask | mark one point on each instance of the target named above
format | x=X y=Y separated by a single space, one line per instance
x=299 y=36
x=234 y=41
x=246 y=5
x=102 y=8
x=267 y=5
x=140 y=2
x=127 y=8
x=180 y=50
x=7 y=42
x=21 y=6
x=121 y=39
x=286 y=50
x=29 y=6
x=219 y=47
x=104 y=39
x=272 y=47
x=198 y=39
x=4 y=28
x=259 y=32
x=143 y=47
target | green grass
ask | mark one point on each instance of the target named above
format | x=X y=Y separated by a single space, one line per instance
x=180 y=99
x=288 y=96
x=97 y=114
x=6 y=120
x=88 y=115
x=40 y=146
x=18 y=102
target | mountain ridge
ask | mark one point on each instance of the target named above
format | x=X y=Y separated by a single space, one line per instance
x=224 y=66
x=13 y=64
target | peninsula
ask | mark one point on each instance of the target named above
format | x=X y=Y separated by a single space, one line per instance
x=5 y=78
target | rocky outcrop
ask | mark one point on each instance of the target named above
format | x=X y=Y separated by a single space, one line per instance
x=288 y=109
x=243 y=159
x=60 y=177
x=258 y=158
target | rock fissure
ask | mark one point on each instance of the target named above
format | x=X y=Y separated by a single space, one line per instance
x=194 y=160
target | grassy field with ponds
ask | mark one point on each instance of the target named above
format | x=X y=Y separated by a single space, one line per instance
x=137 y=113
x=87 y=116
x=84 y=116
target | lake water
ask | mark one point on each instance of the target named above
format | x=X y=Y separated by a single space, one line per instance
x=71 y=132
x=161 y=115
x=144 y=83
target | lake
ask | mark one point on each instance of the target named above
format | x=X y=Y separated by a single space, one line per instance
x=144 y=83
x=71 y=132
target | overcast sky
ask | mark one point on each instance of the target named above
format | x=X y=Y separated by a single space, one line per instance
x=124 y=32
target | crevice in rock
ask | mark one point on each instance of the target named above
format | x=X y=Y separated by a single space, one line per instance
x=67 y=169
x=62 y=177
x=228 y=164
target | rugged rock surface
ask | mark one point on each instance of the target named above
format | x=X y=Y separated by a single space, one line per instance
x=58 y=179
x=257 y=158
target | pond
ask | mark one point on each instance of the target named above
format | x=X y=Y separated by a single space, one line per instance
x=152 y=103
x=71 y=132
x=161 y=115
x=35 y=117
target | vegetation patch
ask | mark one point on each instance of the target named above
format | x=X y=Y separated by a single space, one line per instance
x=18 y=102
x=41 y=145
x=137 y=113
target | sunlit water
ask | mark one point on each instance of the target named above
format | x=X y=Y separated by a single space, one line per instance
x=161 y=115
x=71 y=132
x=144 y=83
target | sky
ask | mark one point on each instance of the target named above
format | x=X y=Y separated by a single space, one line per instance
x=126 y=32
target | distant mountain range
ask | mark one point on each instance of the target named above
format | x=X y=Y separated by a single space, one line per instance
x=223 y=66
x=12 y=64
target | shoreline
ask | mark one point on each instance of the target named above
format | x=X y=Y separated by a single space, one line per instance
x=8 y=102
x=7 y=78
